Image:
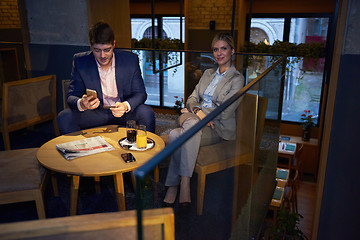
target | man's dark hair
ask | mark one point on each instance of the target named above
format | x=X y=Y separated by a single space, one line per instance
x=101 y=33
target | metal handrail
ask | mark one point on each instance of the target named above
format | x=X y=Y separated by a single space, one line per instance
x=198 y=51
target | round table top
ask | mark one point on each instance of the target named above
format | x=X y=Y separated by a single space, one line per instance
x=99 y=164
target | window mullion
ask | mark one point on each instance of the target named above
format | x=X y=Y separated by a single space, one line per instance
x=287 y=24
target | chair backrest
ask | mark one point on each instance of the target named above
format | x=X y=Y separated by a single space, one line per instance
x=245 y=129
x=250 y=123
x=158 y=224
x=65 y=86
x=299 y=150
x=27 y=102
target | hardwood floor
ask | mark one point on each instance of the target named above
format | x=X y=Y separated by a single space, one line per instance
x=306 y=206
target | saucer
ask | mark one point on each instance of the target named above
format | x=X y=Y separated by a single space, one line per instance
x=125 y=144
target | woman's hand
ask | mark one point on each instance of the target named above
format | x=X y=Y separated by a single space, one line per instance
x=184 y=110
x=211 y=124
x=202 y=115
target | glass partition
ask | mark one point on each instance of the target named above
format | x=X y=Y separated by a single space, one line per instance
x=163 y=74
x=256 y=180
x=305 y=77
x=233 y=181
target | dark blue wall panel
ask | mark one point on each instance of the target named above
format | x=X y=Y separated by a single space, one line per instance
x=340 y=210
x=54 y=59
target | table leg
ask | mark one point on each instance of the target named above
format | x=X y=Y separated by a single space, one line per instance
x=54 y=183
x=133 y=179
x=290 y=162
x=97 y=184
x=119 y=189
x=275 y=209
x=74 y=194
x=156 y=174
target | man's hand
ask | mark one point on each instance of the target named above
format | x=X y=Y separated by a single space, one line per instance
x=88 y=102
x=119 y=109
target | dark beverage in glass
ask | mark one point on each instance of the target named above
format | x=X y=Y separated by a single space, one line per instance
x=131 y=131
x=131 y=135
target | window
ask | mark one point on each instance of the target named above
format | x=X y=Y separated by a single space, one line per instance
x=304 y=79
x=148 y=33
x=270 y=28
x=304 y=82
x=161 y=87
x=258 y=35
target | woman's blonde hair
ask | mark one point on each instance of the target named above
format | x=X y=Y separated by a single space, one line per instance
x=224 y=37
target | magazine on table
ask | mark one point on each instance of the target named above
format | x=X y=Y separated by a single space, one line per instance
x=83 y=147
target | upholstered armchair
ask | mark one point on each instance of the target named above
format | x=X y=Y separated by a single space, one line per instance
x=250 y=121
x=27 y=102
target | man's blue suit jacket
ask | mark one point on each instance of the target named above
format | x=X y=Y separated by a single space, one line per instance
x=129 y=82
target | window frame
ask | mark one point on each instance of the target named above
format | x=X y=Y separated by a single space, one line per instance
x=159 y=19
x=330 y=38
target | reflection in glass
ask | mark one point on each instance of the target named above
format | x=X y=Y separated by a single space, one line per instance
x=304 y=77
x=238 y=191
x=263 y=30
x=170 y=81
x=271 y=29
x=303 y=82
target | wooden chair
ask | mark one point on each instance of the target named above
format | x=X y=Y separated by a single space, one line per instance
x=297 y=163
x=26 y=103
x=22 y=178
x=290 y=200
x=65 y=86
x=227 y=154
x=157 y=224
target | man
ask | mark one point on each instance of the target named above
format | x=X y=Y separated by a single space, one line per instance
x=115 y=76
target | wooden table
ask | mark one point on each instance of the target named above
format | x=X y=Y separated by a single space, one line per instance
x=285 y=153
x=310 y=153
x=281 y=183
x=282 y=178
x=100 y=164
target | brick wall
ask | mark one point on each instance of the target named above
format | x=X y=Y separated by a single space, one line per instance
x=9 y=14
x=202 y=12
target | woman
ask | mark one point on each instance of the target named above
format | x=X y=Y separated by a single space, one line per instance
x=214 y=87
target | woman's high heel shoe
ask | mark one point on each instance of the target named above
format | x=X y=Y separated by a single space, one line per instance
x=185 y=205
x=166 y=204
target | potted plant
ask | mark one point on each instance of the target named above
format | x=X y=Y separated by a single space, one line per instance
x=164 y=44
x=178 y=105
x=286 y=227
x=307 y=123
x=167 y=50
x=306 y=52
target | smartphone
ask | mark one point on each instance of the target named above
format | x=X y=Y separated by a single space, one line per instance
x=107 y=107
x=128 y=157
x=90 y=92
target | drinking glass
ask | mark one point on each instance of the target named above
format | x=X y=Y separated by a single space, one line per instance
x=131 y=131
x=141 y=138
